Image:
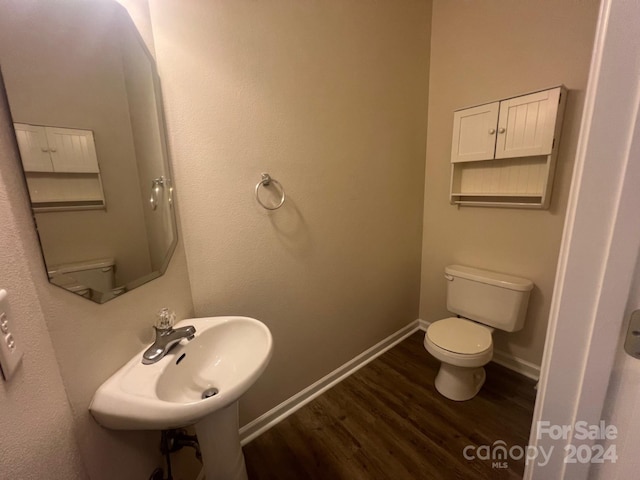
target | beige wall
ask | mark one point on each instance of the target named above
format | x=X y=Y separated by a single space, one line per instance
x=481 y=52
x=36 y=427
x=330 y=98
x=90 y=342
x=139 y=13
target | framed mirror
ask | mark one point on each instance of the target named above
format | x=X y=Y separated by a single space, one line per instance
x=85 y=101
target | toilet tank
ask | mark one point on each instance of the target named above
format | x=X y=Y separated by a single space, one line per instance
x=97 y=274
x=491 y=298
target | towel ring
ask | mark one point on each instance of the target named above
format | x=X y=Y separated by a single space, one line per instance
x=265 y=182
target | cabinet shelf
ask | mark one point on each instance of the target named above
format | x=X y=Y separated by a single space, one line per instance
x=498 y=201
x=50 y=192
x=503 y=153
x=510 y=195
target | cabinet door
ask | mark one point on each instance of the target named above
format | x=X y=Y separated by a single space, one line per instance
x=474 y=133
x=72 y=151
x=34 y=151
x=526 y=124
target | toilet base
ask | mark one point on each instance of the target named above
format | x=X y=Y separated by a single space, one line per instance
x=459 y=383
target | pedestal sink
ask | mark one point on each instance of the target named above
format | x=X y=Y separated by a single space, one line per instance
x=197 y=382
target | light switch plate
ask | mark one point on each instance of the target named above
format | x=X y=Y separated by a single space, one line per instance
x=10 y=351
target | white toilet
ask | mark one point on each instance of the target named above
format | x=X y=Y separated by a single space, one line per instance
x=484 y=301
x=90 y=278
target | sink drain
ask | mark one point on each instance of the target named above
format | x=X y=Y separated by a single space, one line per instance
x=209 y=392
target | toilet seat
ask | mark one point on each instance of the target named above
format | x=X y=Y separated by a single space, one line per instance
x=460 y=337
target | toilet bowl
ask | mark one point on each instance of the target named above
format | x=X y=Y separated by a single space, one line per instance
x=464 y=348
x=484 y=301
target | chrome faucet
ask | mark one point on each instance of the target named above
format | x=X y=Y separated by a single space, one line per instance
x=166 y=336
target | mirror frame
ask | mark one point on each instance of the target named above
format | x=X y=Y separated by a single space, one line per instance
x=165 y=161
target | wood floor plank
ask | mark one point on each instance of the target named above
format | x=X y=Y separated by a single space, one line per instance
x=387 y=421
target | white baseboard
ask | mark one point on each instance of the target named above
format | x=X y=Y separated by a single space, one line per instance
x=423 y=324
x=291 y=405
x=294 y=403
x=507 y=360
x=518 y=365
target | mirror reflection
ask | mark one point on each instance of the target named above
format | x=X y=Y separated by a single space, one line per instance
x=85 y=102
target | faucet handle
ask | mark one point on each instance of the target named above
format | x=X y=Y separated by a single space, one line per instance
x=166 y=319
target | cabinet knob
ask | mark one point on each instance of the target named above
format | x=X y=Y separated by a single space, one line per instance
x=54 y=149
x=502 y=130
x=44 y=149
x=492 y=131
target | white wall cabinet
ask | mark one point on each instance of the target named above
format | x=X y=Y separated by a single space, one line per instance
x=474 y=133
x=54 y=149
x=504 y=153
x=526 y=125
x=34 y=149
x=61 y=168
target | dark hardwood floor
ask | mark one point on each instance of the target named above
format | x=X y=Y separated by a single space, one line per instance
x=387 y=421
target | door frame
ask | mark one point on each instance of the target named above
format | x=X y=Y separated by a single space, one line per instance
x=599 y=247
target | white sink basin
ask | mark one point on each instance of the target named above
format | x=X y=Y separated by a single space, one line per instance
x=226 y=356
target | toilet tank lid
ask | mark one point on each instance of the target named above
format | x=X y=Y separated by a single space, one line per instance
x=490 y=278
x=78 y=266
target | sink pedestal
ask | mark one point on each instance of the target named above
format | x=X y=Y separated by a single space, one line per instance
x=219 y=439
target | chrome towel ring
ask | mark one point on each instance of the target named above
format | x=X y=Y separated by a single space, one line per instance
x=265 y=182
